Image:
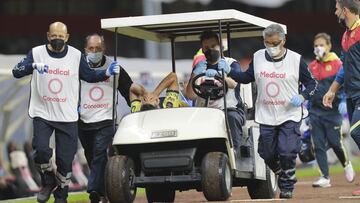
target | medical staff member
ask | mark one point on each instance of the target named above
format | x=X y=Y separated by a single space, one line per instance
x=326 y=122
x=95 y=123
x=347 y=12
x=56 y=69
x=278 y=73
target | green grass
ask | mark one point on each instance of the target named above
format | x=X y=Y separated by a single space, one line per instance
x=334 y=169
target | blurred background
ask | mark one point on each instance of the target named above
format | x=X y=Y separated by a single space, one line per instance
x=24 y=23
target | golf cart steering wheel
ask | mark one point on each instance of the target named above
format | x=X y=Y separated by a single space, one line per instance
x=211 y=88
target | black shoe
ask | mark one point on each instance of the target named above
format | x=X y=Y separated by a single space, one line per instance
x=286 y=195
x=94 y=197
x=45 y=192
x=59 y=200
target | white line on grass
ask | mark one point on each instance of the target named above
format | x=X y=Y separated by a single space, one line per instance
x=349 y=197
x=258 y=200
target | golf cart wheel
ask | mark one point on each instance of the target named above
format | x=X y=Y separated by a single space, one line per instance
x=216 y=177
x=160 y=193
x=263 y=189
x=119 y=179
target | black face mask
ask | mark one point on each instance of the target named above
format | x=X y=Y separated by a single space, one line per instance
x=57 y=44
x=212 y=55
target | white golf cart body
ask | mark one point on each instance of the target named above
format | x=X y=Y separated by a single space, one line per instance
x=167 y=146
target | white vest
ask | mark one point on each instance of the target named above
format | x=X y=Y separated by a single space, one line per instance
x=277 y=83
x=231 y=100
x=96 y=98
x=55 y=95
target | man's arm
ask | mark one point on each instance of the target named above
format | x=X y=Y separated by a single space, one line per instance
x=169 y=82
x=307 y=80
x=90 y=75
x=242 y=77
x=340 y=76
x=124 y=84
x=136 y=92
x=24 y=67
x=190 y=94
x=330 y=94
x=230 y=82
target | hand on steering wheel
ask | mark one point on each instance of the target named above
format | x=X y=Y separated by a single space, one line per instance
x=210 y=88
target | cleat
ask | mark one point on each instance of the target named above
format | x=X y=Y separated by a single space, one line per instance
x=349 y=172
x=322 y=182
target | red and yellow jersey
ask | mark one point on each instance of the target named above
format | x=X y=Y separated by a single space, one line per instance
x=199 y=56
x=326 y=68
x=351 y=36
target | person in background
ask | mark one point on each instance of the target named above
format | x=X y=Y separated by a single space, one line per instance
x=326 y=122
x=8 y=189
x=347 y=12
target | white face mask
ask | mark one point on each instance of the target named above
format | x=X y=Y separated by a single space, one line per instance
x=94 y=58
x=319 y=51
x=273 y=51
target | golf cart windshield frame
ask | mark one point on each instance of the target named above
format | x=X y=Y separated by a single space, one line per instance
x=182 y=27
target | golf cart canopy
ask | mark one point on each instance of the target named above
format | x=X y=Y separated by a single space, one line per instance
x=181 y=27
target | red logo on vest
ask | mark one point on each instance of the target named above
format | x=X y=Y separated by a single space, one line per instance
x=55 y=86
x=96 y=93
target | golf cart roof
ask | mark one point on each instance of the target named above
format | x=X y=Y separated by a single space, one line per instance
x=187 y=26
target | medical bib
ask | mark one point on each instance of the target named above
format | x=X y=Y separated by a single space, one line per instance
x=277 y=83
x=96 y=98
x=55 y=94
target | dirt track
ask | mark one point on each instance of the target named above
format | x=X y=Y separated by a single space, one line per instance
x=303 y=193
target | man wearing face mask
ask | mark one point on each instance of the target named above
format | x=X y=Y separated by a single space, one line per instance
x=211 y=65
x=278 y=72
x=56 y=69
x=326 y=122
x=95 y=123
x=347 y=12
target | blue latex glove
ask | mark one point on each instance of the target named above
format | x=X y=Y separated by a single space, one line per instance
x=200 y=67
x=40 y=67
x=114 y=68
x=297 y=100
x=342 y=108
x=211 y=73
x=224 y=65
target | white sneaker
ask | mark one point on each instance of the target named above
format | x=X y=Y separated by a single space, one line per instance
x=322 y=182
x=349 y=172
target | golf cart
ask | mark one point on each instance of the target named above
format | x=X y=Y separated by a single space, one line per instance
x=178 y=149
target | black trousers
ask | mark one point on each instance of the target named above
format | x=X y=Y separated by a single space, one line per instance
x=66 y=146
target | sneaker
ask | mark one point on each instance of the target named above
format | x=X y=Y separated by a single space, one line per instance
x=94 y=197
x=286 y=194
x=356 y=193
x=349 y=172
x=322 y=182
x=45 y=192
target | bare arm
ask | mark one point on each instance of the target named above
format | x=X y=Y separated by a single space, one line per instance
x=189 y=90
x=136 y=91
x=230 y=82
x=169 y=82
x=330 y=94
